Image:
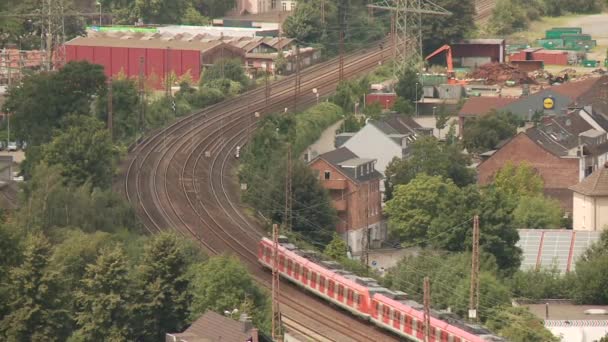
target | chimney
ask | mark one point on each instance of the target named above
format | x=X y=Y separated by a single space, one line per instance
x=246 y=320
x=254 y=335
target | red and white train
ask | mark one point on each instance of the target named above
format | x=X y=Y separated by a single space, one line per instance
x=365 y=298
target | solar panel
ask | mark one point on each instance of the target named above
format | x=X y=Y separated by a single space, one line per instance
x=560 y=248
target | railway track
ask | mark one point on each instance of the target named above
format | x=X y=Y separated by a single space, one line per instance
x=180 y=178
x=484 y=10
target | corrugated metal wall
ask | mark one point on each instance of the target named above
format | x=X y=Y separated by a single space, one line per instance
x=117 y=60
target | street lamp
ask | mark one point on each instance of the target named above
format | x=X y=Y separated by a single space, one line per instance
x=416 y=98
x=316 y=92
x=99 y=4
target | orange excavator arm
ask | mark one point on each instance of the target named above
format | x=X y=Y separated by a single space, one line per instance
x=448 y=57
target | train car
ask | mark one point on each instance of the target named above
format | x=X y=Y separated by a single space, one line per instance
x=302 y=269
x=364 y=297
x=406 y=318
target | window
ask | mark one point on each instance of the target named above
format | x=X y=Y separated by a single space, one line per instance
x=289 y=265
x=327 y=175
x=305 y=274
x=358 y=298
x=313 y=277
x=397 y=316
x=281 y=261
x=273 y=4
x=297 y=270
x=385 y=312
x=284 y=6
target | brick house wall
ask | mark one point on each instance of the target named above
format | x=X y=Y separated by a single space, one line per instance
x=557 y=173
x=350 y=198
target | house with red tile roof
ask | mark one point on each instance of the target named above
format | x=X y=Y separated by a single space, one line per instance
x=213 y=327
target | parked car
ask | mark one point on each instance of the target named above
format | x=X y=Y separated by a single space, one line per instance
x=22 y=145
x=12 y=146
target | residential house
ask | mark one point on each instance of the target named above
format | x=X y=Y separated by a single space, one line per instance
x=354 y=187
x=263 y=6
x=213 y=327
x=384 y=139
x=590 y=201
x=563 y=149
x=591 y=91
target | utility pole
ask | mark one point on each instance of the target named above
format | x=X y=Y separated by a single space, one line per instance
x=276 y=312
x=341 y=65
x=142 y=96
x=267 y=87
x=474 y=290
x=288 y=191
x=408 y=23
x=296 y=92
x=365 y=240
x=427 y=309
x=323 y=12
x=110 y=129
x=49 y=38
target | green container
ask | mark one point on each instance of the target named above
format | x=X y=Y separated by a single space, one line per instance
x=590 y=64
x=433 y=80
x=569 y=37
x=557 y=32
x=550 y=44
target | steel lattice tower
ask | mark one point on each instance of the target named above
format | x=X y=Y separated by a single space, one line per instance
x=408 y=24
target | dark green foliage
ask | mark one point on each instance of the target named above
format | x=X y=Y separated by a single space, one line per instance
x=406 y=85
x=264 y=164
x=35 y=307
x=104 y=300
x=430 y=211
x=483 y=134
x=223 y=284
x=349 y=93
x=352 y=124
x=48 y=204
x=433 y=158
x=161 y=12
x=125 y=109
x=165 y=295
x=404 y=107
x=541 y=284
x=305 y=24
x=214 y=8
x=84 y=151
x=230 y=69
x=518 y=324
x=41 y=102
x=440 y=30
x=592 y=274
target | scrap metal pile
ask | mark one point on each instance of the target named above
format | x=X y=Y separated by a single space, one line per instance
x=497 y=73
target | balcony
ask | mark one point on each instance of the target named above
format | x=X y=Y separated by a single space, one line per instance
x=334 y=184
x=339 y=205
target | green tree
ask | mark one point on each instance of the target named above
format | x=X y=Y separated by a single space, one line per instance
x=231 y=69
x=222 y=283
x=42 y=100
x=483 y=134
x=214 y=8
x=36 y=308
x=508 y=16
x=193 y=17
x=430 y=156
x=518 y=324
x=347 y=94
x=84 y=151
x=519 y=180
x=406 y=87
x=336 y=248
x=592 y=273
x=105 y=304
x=304 y=24
x=403 y=107
x=374 y=111
x=416 y=204
x=440 y=30
x=442 y=116
x=125 y=108
x=165 y=296
x=540 y=284
x=161 y=12
x=538 y=212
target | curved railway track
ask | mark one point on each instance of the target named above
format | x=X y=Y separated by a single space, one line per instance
x=180 y=178
x=484 y=10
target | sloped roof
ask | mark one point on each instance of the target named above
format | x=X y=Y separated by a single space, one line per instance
x=575 y=89
x=214 y=327
x=346 y=161
x=476 y=106
x=595 y=184
x=397 y=124
x=545 y=141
